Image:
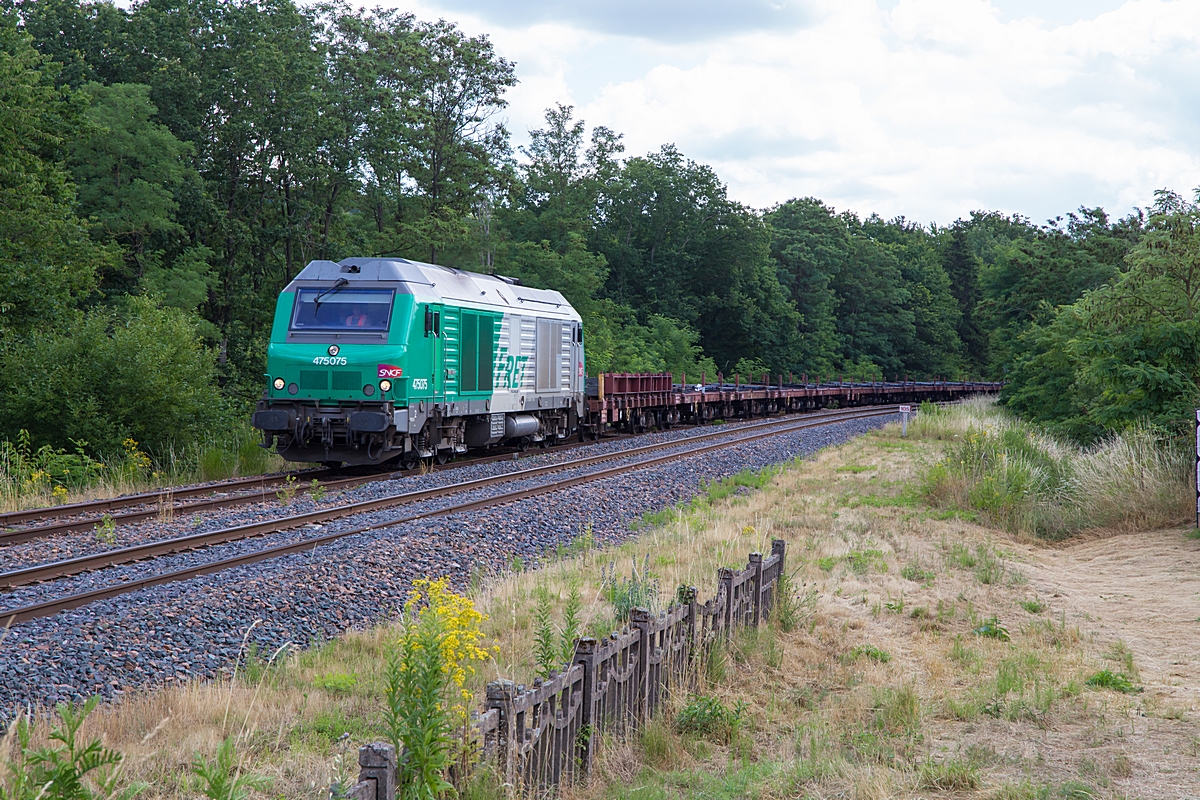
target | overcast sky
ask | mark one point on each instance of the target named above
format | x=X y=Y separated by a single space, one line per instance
x=922 y=108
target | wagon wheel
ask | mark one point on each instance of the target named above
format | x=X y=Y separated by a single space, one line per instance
x=442 y=455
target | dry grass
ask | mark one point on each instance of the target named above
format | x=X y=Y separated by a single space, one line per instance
x=886 y=690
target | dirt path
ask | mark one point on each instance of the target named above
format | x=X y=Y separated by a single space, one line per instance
x=1142 y=588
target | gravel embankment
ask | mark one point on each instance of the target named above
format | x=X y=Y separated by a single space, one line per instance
x=195 y=628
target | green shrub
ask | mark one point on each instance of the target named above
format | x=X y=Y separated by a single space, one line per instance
x=993 y=629
x=336 y=682
x=138 y=372
x=1117 y=681
x=867 y=651
x=67 y=770
x=223 y=778
x=709 y=717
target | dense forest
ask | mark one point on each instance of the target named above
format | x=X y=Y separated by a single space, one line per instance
x=167 y=167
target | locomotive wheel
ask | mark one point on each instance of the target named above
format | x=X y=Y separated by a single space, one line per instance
x=441 y=456
x=410 y=460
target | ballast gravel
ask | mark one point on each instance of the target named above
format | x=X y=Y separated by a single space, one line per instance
x=196 y=628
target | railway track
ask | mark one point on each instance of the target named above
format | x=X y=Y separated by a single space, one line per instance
x=23 y=516
x=691 y=446
x=167 y=503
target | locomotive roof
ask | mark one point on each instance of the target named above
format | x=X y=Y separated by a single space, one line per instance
x=435 y=283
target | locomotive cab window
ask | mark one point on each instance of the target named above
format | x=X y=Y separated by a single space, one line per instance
x=342 y=310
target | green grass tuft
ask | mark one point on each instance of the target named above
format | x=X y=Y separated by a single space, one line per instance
x=1117 y=681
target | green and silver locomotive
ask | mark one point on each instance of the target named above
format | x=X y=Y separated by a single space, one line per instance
x=382 y=359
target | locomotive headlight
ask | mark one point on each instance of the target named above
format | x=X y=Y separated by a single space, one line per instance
x=368 y=390
x=279 y=384
x=385 y=386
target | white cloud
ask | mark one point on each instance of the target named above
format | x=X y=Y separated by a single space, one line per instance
x=926 y=108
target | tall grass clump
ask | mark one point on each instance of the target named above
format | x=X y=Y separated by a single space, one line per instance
x=951 y=422
x=1020 y=478
x=438 y=650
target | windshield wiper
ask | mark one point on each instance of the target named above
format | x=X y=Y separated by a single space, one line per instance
x=339 y=284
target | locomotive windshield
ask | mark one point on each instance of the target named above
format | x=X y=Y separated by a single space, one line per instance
x=346 y=310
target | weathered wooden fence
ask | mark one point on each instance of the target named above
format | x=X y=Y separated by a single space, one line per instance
x=544 y=735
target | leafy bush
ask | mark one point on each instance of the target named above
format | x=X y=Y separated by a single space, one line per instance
x=336 y=682
x=992 y=628
x=223 y=778
x=1117 y=681
x=69 y=770
x=867 y=651
x=110 y=375
x=709 y=717
x=46 y=473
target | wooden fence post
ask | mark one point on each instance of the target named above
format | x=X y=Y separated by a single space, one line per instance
x=725 y=578
x=779 y=548
x=376 y=774
x=640 y=619
x=756 y=562
x=585 y=655
x=689 y=596
x=500 y=695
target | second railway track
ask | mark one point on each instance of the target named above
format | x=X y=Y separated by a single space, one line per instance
x=151 y=550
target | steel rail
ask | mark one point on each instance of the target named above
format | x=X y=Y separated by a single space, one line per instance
x=138 y=552
x=88 y=524
x=146 y=498
x=47 y=608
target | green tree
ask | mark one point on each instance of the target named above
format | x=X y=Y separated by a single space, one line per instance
x=1032 y=276
x=678 y=247
x=48 y=263
x=1129 y=351
x=934 y=347
x=128 y=169
x=810 y=247
x=962 y=266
